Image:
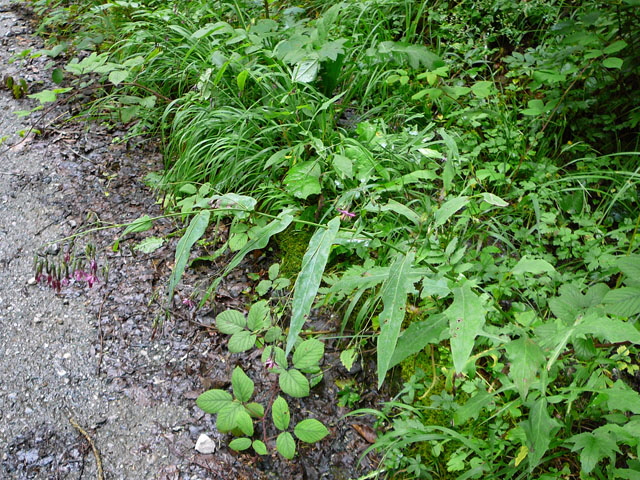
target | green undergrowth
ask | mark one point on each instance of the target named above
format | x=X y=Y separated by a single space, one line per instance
x=475 y=164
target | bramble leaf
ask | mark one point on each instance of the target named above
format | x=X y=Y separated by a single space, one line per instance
x=310 y=430
x=239 y=444
x=286 y=445
x=241 y=341
x=242 y=385
x=308 y=354
x=230 y=322
x=258 y=317
x=260 y=448
x=280 y=413
x=294 y=383
x=212 y=401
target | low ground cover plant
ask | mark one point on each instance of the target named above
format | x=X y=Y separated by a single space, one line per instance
x=468 y=178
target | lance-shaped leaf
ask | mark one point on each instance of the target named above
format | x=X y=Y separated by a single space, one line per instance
x=394 y=294
x=466 y=318
x=539 y=429
x=448 y=209
x=308 y=282
x=196 y=229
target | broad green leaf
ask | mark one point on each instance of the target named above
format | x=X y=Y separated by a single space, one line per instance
x=306 y=71
x=57 y=76
x=308 y=354
x=394 y=294
x=621 y=397
x=526 y=359
x=195 y=230
x=418 y=335
x=611 y=329
x=241 y=79
x=263 y=287
x=310 y=430
x=242 y=341
x=534 y=266
x=593 y=447
x=483 y=88
x=273 y=334
x=118 y=76
x=448 y=209
x=149 y=244
x=348 y=357
x=466 y=318
x=630 y=266
x=615 y=47
x=540 y=428
x=244 y=422
x=472 y=407
x=230 y=322
x=212 y=401
x=309 y=278
x=259 y=240
x=303 y=179
x=612 y=62
x=343 y=166
x=258 y=318
x=254 y=409
x=239 y=205
x=492 y=199
x=239 y=444
x=227 y=419
x=401 y=209
x=242 y=385
x=259 y=447
x=286 y=445
x=45 y=96
x=536 y=107
x=294 y=383
x=623 y=302
x=280 y=413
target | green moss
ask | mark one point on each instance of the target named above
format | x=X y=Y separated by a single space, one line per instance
x=292 y=244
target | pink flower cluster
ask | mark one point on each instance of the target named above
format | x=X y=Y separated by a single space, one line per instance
x=58 y=276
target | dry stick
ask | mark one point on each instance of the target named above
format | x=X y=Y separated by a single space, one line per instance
x=100 y=332
x=96 y=454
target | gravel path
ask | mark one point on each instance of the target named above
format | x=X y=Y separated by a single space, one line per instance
x=48 y=361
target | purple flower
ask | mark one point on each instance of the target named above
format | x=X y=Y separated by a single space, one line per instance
x=270 y=363
x=188 y=303
x=344 y=214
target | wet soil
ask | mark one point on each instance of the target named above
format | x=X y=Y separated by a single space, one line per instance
x=106 y=359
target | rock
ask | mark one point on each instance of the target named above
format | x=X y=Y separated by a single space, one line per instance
x=205 y=444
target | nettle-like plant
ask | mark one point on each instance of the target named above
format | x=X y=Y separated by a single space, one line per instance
x=236 y=413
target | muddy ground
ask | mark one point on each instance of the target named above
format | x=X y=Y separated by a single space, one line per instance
x=83 y=367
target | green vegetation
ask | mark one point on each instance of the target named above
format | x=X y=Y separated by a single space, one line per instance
x=474 y=163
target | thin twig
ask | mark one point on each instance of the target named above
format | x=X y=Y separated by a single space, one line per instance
x=100 y=332
x=96 y=453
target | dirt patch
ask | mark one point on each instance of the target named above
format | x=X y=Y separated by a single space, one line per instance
x=99 y=354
